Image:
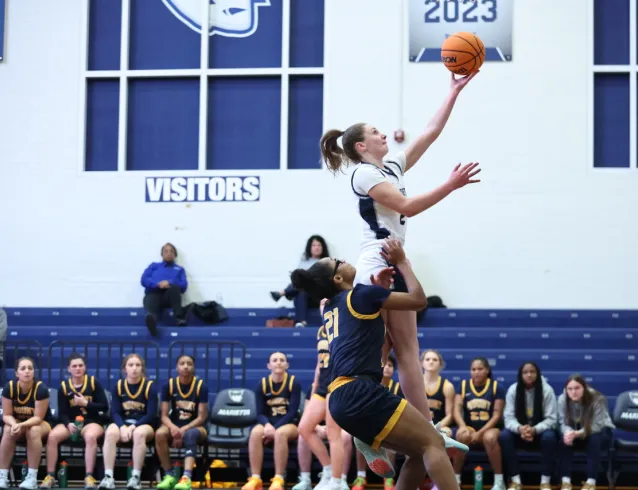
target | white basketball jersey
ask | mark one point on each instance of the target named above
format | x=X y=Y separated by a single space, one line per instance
x=378 y=221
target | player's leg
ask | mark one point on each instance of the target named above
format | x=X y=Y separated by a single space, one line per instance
x=283 y=435
x=163 y=441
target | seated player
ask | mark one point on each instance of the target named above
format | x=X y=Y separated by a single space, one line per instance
x=27 y=417
x=478 y=411
x=278 y=397
x=79 y=396
x=184 y=413
x=358 y=402
x=134 y=412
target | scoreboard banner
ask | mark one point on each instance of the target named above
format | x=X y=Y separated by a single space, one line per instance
x=432 y=21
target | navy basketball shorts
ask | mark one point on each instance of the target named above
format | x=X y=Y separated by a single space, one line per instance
x=366 y=409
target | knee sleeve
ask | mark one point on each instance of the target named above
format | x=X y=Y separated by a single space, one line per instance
x=190 y=441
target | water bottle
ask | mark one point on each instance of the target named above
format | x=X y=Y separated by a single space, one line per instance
x=478 y=478
x=25 y=470
x=177 y=469
x=63 y=475
x=129 y=470
x=79 y=424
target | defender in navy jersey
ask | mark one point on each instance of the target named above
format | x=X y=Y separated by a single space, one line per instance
x=81 y=398
x=439 y=389
x=383 y=206
x=358 y=402
x=278 y=397
x=27 y=417
x=184 y=413
x=134 y=412
x=478 y=414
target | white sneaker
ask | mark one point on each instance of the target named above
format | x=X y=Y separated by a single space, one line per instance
x=344 y=485
x=451 y=445
x=377 y=459
x=107 y=482
x=324 y=481
x=4 y=483
x=134 y=483
x=29 y=483
x=304 y=484
x=499 y=486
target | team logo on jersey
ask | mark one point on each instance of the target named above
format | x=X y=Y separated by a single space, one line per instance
x=228 y=18
x=633 y=396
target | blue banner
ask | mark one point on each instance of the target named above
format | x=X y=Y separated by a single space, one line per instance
x=3 y=11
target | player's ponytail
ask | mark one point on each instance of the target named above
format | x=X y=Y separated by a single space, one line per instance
x=316 y=281
x=336 y=157
x=331 y=153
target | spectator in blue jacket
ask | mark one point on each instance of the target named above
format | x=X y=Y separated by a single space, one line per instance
x=164 y=283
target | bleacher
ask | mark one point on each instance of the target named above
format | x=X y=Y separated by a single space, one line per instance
x=601 y=345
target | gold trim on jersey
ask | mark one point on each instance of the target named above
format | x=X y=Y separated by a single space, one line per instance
x=338 y=382
x=34 y=387
x=283 y=385
x=483 y=391
x=438 y=386
x=74 y=390
x=139 y=391
x=360 y=316
x=389 y=425
x=190 y=390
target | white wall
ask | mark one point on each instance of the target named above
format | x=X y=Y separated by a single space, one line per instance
x=541 y=230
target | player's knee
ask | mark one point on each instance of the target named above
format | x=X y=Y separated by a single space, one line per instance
x=281 y=436
x=34 y=433
x=463 y=435
x=190 y=442
x=257 y=432
x=161 y=436
x=491 y=438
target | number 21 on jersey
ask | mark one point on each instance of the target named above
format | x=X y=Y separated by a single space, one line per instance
x=331 y=319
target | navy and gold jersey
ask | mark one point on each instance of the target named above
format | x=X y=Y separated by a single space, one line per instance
x=278 y=403
x=478 y=403
x=394 y=387
x=436 y=400
x=184 y=399
x=24 y=403
x=324 y=362
x=135 y=402
x=356 y=333
x=92 y=390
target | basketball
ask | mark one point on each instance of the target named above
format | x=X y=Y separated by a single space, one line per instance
x=463 y=53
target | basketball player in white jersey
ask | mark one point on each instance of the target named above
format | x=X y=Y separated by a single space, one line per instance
x=384 y=207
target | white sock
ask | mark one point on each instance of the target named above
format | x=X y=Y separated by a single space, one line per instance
x=545 y=479
x=305 y=475
x=256 y=475
x=108 y=473
x=362 y=474
x=516 y=479
x=33 y=473
x=344 y=477
x=458 y=479
x=567 y=479
x=327 y=472
x=591 y=481
x=4 y=473
x=137 y=474
x=498 y=479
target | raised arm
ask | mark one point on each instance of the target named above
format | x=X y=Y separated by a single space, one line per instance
x=434 y=128
x=387 y=195
x=415 y=298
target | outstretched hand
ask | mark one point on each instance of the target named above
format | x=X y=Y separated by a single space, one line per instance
x=457 y=84
x=462 y=175
x=383 y=278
